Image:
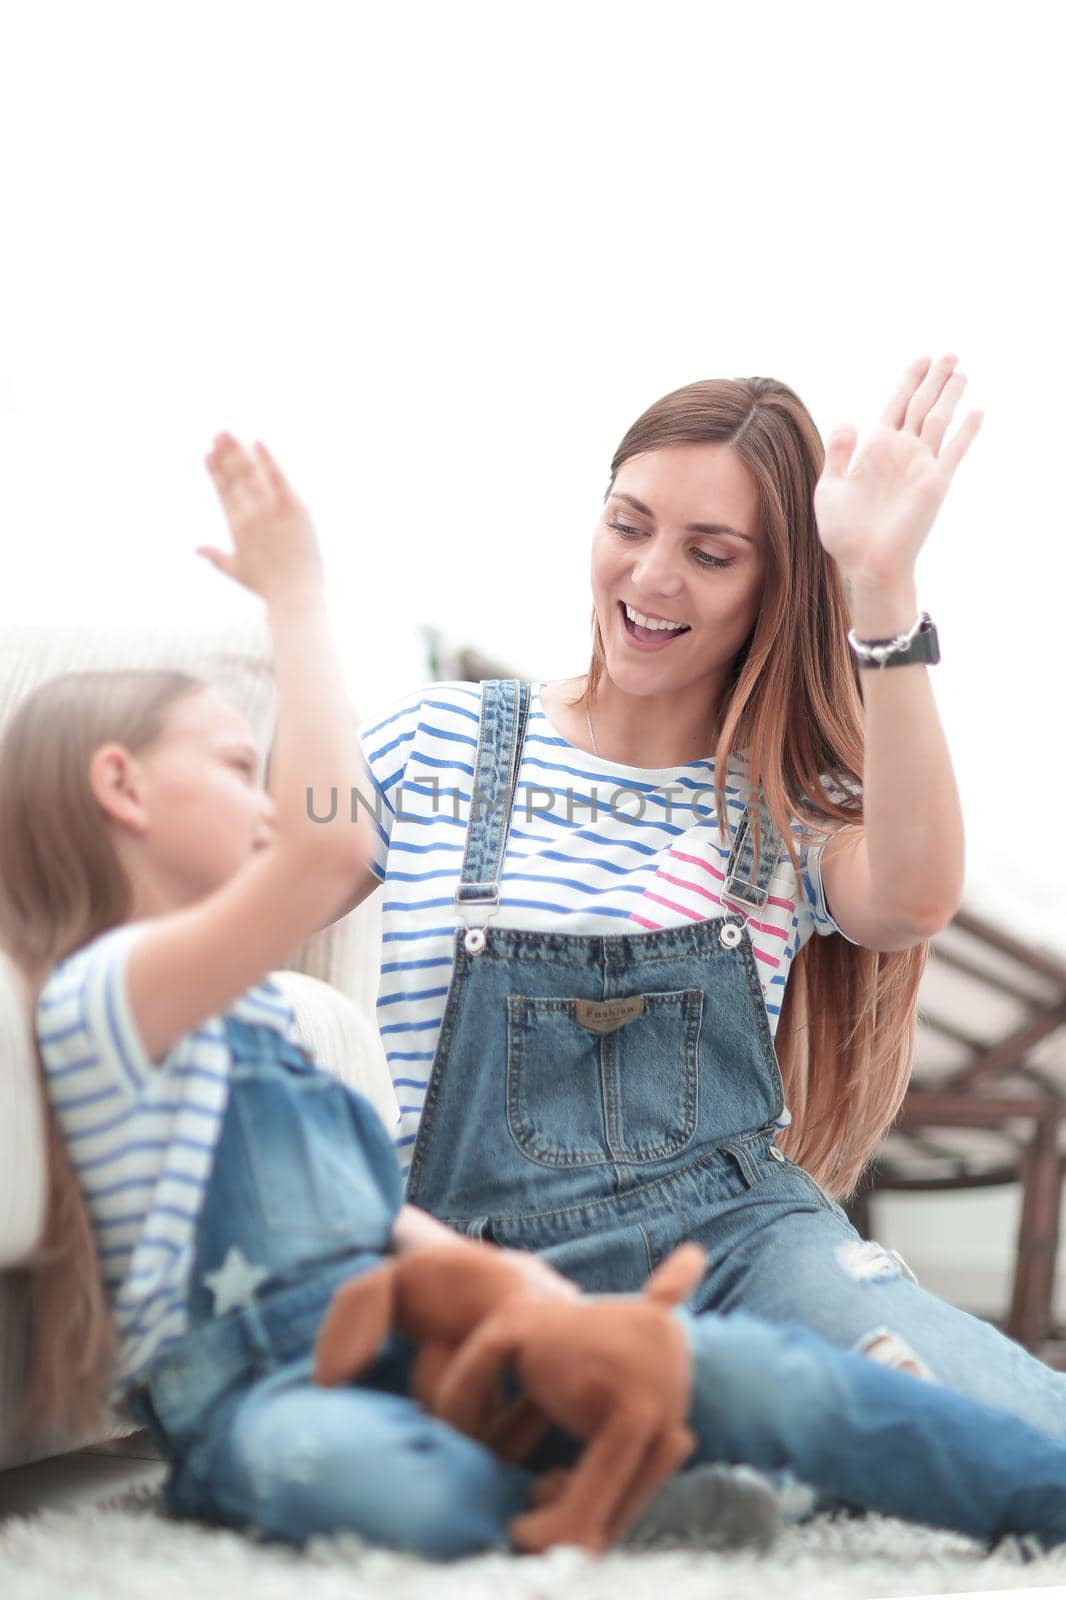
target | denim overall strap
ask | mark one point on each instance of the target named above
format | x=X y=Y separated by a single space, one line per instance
x=742 y=882
x=504 y=710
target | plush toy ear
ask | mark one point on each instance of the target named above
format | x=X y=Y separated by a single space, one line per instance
x=678 y=1275
x=355 y=1326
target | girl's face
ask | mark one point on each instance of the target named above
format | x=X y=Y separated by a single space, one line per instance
x=678 y=540
x=193 y=801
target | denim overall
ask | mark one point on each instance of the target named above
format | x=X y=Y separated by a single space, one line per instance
x=598 y=1098
x=303 y=1195
x=305 y=1188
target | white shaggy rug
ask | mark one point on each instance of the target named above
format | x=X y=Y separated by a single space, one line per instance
x=126 y=1546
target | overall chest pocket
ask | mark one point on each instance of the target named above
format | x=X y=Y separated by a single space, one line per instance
x=577 y=1095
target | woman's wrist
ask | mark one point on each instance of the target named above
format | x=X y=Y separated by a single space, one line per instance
x=881 y=608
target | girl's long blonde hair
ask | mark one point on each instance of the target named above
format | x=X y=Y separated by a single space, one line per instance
x=62 y=884
x=846 y=1034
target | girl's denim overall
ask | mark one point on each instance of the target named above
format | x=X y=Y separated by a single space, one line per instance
x=538 y=1133
x=303 y=1194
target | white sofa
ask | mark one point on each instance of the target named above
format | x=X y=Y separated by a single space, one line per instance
x=331 y=978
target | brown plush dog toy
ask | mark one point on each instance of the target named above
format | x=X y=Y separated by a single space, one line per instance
x=612 y=1370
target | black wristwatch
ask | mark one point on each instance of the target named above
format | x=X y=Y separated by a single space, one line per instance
x=919 y=645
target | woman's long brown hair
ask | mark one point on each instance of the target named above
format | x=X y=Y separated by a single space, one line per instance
x=846 y=1034
x=62 y=884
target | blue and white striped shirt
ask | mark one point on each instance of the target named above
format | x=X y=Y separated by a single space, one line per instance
x=141 y=1136
x=653 y=861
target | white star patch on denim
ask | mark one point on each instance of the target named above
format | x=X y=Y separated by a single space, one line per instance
x=234 y=1283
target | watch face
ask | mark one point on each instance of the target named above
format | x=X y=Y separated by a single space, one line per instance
x=930 y=642
x=922 y=648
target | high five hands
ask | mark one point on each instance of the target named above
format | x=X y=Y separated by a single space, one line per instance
x=275 y=549
x=875 y=512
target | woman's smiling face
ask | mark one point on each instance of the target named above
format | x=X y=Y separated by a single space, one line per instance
x=679 y=539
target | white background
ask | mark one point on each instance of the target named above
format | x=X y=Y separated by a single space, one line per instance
x=440 y=256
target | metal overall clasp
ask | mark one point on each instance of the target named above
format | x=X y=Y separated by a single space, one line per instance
x=477 y=895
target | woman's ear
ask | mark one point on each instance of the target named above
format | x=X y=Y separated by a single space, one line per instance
x=116 y=779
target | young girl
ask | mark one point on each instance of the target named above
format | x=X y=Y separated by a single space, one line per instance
x=743 y=822
x=212 y=1186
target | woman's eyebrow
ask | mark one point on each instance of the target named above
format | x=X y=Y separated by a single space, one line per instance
x=693 y=527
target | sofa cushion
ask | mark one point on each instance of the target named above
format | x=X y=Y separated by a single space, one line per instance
x=343 y=1039
x=22 y=1147
x=233 y=655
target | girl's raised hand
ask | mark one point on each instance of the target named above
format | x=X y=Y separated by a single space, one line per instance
x=874 y=513
x=275 y=550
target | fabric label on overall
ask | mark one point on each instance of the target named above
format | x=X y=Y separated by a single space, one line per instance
x=604 y=1016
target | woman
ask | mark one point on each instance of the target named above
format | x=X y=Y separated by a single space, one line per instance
x=638 y=1040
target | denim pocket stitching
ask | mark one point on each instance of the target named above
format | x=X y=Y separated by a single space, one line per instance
x=523 y=1136
x=531 y=1145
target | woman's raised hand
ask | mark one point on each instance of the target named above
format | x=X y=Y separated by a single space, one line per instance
x=275 y=549
x=874 y=513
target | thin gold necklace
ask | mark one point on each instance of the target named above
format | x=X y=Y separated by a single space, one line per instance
x=592 y=735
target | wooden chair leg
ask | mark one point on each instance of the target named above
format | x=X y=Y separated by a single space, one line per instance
x=1038 y=1237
